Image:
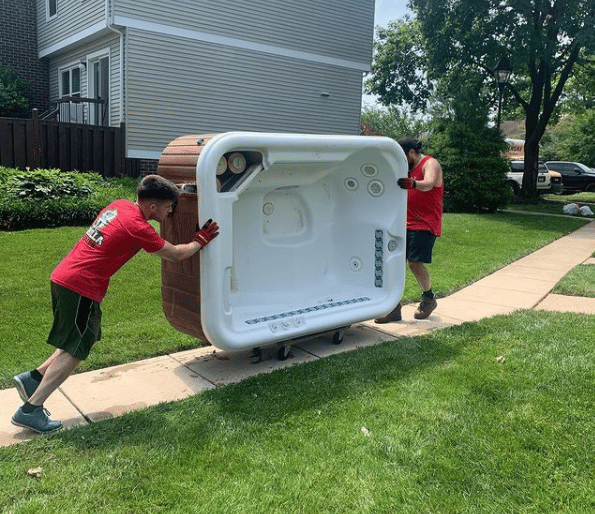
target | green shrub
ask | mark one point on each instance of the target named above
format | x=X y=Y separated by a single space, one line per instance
x=14 y=94
x=51 y=185
x=471 y=156
x=50 y=198
x=475 y=185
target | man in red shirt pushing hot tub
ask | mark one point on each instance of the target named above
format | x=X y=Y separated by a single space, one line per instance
x=79 y=284
x=425 y=188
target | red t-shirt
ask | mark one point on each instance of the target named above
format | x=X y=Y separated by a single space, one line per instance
x=118 y=233
x=424 y=208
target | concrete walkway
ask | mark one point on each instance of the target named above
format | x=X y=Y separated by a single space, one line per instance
x=96 y=395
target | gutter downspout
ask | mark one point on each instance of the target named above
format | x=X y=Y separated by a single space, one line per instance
x=109 y=20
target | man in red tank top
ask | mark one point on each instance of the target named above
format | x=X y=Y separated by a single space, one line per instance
x=425 y=188
x=80 y=281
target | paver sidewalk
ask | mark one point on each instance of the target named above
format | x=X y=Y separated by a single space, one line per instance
x=96 y=395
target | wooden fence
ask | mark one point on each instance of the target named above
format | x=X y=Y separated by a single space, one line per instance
x=34 y=143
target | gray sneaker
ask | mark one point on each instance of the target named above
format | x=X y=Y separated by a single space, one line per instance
x=37 y=420
x=25 y=384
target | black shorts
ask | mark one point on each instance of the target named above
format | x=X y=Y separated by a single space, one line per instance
x=77 y=322
x=419 y=246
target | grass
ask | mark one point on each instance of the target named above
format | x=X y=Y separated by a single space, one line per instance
x=473 y=246
x=424 y=424
x=579 y=281
x=433 y=423
x=554 y=204
x=134 y=326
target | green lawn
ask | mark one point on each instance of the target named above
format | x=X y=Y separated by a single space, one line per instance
x=430 y=424
x=554 y=204
x=579 y=281
x=134 y=326
x=488 y=417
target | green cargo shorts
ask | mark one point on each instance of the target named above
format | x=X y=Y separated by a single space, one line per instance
x=77 y=322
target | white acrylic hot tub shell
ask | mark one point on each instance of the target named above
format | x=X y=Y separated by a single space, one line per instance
x=311 y=241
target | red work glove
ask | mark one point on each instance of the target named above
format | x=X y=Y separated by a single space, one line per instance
x=406 y=183
x=208 y=232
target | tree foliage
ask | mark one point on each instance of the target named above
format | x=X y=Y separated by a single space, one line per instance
x=14 y=94
x=542 y=38
x=393 y=122
x=399 y=68
x=579 y=92
x=471 y=154
x=571 y=139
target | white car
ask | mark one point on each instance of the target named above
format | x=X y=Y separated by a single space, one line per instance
x=515 y=177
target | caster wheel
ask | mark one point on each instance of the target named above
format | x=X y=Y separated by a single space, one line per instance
x=283 y=352
x=256 y=355
x=337 y=337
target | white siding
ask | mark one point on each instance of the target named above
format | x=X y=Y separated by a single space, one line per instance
x=74 y=16
x=176 y=87
x=333 y=28
x=111 y=44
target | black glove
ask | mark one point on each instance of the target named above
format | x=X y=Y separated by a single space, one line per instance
x=406 y=183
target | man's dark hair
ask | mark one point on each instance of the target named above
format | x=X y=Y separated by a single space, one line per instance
x=154 y=187
x=409 y=143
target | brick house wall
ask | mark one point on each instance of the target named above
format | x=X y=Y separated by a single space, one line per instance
x=18 y=48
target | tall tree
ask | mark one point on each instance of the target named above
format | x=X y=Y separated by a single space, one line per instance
x=542 y=38
x=399 y=71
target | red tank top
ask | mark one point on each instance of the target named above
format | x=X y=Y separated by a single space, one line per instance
x=424 y=208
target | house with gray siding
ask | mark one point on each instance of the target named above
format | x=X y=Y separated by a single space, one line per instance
x=196 y=66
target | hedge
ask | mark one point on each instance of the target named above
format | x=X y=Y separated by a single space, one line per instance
x=50 y=198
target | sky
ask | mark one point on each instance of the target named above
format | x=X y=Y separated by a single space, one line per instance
x=389 y=10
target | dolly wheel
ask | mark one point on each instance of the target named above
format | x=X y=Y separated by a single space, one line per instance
x=256 y=355
x=283 y=352
x=337 y=337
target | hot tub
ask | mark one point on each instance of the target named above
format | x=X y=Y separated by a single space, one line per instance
x=312 y=235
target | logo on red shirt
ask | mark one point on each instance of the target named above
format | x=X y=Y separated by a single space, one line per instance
x=94 y=235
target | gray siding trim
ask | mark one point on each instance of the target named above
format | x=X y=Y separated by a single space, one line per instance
x=238 y=43
x=79 y=38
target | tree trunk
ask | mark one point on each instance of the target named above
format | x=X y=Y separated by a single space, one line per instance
x=529 y=188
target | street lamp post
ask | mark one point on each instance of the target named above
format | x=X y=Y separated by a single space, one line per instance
x=502 y=72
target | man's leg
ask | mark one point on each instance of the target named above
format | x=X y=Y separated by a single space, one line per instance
x=26 y=383
x=420 y=272
x=61 y=364
x=428 y=301
x=43 y=367
x=32 y=414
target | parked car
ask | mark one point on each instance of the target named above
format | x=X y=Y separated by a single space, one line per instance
x=515 y=177
x=576 y=177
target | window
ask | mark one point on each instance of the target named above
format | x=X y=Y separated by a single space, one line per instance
x=70 y=82
x=51 y=8
x=70 y=86
x=99 y=89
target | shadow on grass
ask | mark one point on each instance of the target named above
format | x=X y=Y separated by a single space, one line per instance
x=542 y=344
x=263 y=401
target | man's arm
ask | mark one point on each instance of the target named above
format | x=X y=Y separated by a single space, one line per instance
x=432 y=176
x=176 y=253
x=179 y=252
